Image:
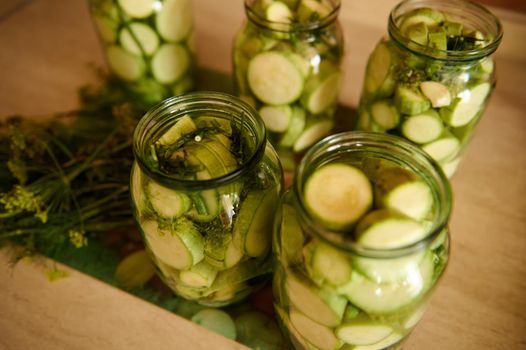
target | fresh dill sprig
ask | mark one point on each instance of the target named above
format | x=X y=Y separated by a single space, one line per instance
x=66 y=179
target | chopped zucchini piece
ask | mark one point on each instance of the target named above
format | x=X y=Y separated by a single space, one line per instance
x=410 y=101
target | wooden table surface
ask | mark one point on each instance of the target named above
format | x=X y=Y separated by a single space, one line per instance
x=45 y=51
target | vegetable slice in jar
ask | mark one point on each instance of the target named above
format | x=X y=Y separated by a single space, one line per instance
x=174 y=21
x=181 y=247
x=139 y=38
x=126 y=65
x=274 y=79
x=170 y=63
x=338 y=194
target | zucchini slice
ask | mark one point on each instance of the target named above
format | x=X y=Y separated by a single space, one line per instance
x=362 y=330
x=388 y=298
x=385 y=343
x=174 y=21
x=322 y=93
x=295 y=127
x=276 y=118
x=217 y=321
x=424 y=15
x=291 y=236
x=126 y=65
x=382 y=229
x=378 y=68
x=385 y=114
x=107 y=28
x=185 y=125
x=396 y=270
x=322 y=337
x=401 y=191
x=322 y=305
x=170 y=63
x=274 y=78
x=252 y=231
x=465 y=109
x=312 y=133
x=137 y=37
x=424 y=127
x=138 y=8
x=167 y=203
x=279 y=12
x=338 y=195
x=444 y=148
x=418 y=33
x=326 y=263
x=135 y=269
x=410 y=101
x=181 y=247
x=201 y=275
x=136 y=187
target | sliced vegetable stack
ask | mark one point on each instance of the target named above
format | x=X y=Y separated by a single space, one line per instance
x=328 y=297
x=148 y=44
x=287 y=65
x=210 y=242
x=433 y=102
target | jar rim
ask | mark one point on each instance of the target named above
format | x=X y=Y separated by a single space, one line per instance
x=383 y=142
x=466 y=8
x=262 y=22
x=202 y=101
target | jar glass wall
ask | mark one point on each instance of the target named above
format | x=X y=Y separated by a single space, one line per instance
x=287 y=63
x=149 y=45
x=204 y=187
x=360 y=243
x=429 y=81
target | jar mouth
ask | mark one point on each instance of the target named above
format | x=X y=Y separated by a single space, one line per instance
x=407 y=154
x=163 y=115
x=264 y=23
x=477 y=16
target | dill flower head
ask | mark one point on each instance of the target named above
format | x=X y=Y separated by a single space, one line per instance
x=21 y=199
x=77 y=238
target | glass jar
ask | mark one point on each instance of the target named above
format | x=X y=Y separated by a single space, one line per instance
x=429 y=81
x=360 y=242
x=204 y=186
x=149 y=45
x=287 y=63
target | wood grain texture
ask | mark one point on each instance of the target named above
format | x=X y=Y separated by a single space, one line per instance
x=81 y=313
x=481 y=301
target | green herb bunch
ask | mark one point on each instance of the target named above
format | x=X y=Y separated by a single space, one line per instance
x=65 y=179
